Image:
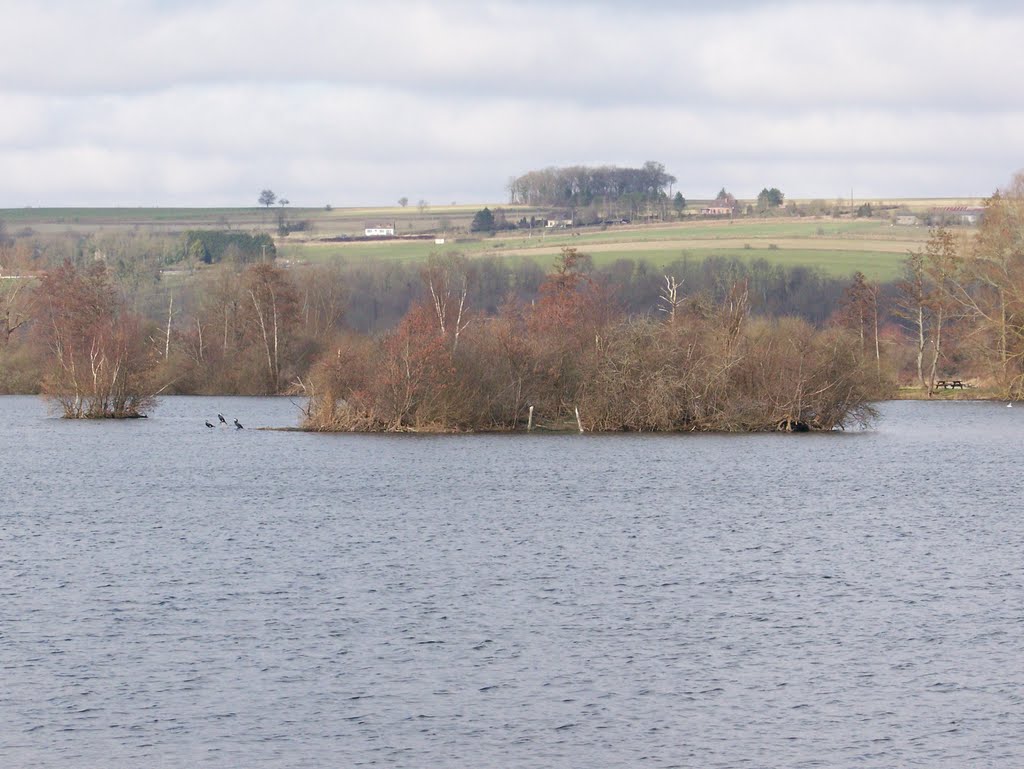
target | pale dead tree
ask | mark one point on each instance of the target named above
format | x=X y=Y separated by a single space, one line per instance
x=942 y=265
x=735 y=311
x=932 y=295
x=227 y=317
x=275 y=305
x=98 y=364
x=167 y=339
x=199 y=337
x=263 y=315
x=669 y=298
x=875 y=291
x=914 y=306
x=448 y=281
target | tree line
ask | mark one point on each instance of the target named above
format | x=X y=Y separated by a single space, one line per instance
x=958 y=309
x=578 y=186
x=210 y=330
x=605 y=193
x=963 y=302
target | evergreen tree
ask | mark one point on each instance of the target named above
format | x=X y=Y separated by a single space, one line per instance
x=483 y=221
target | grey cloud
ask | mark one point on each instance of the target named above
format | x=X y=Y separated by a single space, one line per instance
x=189 y=102
x=773 y=55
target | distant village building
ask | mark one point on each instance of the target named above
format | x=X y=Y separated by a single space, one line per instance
x=723 y=205
x=969 y=215
x=907 y=220
x=559 y=220
x=379 y=229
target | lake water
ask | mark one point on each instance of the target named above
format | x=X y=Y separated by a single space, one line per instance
x=174 y=596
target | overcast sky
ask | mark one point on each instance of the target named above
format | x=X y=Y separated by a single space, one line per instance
x=206 y=102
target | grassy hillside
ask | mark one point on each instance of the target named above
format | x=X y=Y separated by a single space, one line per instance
x=838 y=246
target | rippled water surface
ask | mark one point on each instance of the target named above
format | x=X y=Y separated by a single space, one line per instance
x=174 y=596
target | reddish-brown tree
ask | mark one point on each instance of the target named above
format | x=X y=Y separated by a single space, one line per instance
x=99 y=364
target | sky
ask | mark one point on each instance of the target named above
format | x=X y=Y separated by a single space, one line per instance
x=207 y=102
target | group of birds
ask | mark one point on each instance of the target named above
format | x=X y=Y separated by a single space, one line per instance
x=223 y=421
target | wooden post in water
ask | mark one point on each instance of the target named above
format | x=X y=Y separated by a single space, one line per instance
x=579 y=424
x=529 y=420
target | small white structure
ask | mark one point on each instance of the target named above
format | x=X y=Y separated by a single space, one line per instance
x=379 y=229
x=716 y=211
x=438 y=241
x=907 y=220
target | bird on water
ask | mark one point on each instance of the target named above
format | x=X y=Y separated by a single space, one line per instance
x=209 y=423
x=223 y=421
x=238 y=425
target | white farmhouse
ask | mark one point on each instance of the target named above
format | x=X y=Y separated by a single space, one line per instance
x=379 y=229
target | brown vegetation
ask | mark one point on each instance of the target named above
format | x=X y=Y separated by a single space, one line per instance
x=98 y=363
x=964 y=301
x=573 y=351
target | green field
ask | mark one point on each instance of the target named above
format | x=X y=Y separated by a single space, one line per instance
x=837 y=246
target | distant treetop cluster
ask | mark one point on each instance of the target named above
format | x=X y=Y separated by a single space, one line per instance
x=584 y=186
x=769 y=198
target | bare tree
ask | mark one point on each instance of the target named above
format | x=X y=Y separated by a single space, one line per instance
x=858 y=311
x=274 y=308
x=990 y=288
x=942 y=264
x=913 y=306
x=323 y=294
x=448 y=280
x=15 y=304
x=669 y=299
x=98 y=361
x=170 y=317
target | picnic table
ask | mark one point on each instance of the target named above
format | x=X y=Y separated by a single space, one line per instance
x=949 y=384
